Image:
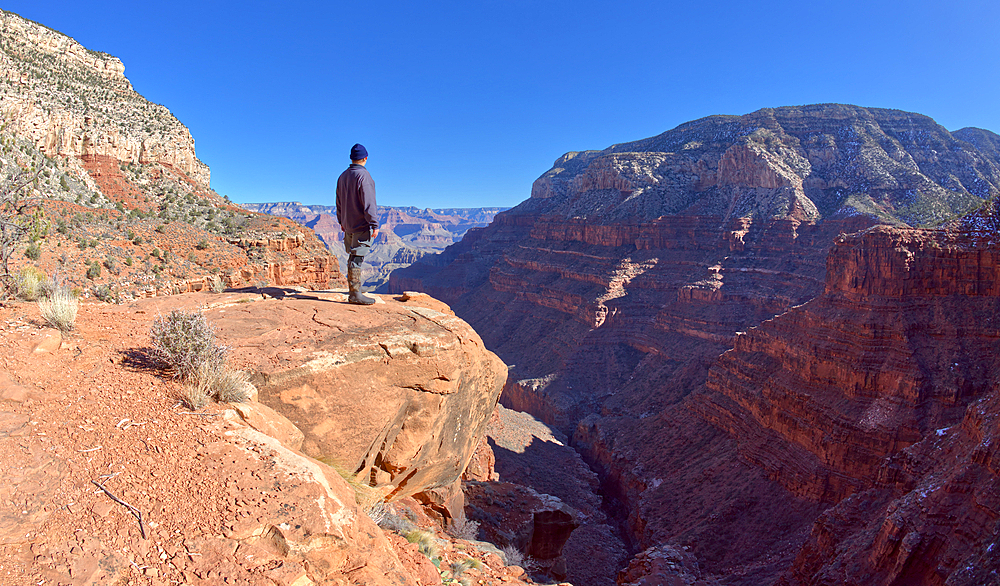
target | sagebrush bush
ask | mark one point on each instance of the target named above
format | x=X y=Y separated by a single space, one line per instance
x=106 y=294
x=388 y=520
x=60 y=309
x=184 y=341
x=512 y=556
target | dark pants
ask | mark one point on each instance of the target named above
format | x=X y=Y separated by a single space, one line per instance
x=357 y=245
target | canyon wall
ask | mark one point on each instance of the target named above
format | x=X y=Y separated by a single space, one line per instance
x=880 y=396
x=632 y=293
x=73 y=102
x=114 y=174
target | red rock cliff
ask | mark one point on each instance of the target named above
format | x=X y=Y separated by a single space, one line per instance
x=902 y=339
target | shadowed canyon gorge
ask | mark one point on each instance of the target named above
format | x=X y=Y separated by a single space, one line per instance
x=772 y=337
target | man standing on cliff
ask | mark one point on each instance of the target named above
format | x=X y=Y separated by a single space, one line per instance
x=358 y=217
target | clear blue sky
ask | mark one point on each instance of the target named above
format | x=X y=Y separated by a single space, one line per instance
x=465 y=103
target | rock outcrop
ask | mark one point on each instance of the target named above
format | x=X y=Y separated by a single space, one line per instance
x=116 y=173
x=286 y=260
x=614 y=290
x=397 y=395
x=519 y=517
x=666 y=565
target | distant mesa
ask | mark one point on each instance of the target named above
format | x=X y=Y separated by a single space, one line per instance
x=805 y=163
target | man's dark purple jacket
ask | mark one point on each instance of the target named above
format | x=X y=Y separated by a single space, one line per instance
x=356 y=208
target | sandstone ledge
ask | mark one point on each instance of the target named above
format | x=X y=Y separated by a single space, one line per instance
x=398 y=393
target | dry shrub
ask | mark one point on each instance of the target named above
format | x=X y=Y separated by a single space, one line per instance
x=60 y=309
x=459 y=568
x=464 y=529
x=234 y=386
x=185 y=341
x=387 y=519
x=215 y=381
x=512 y=556
x=426 y=543
x=222 y=383
x=195 y=395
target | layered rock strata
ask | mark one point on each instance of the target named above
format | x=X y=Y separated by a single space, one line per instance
x=614 y=289
x=873 y=399
x=885 y=406
x=285 y=261
x=899 y=343
x=406 y=234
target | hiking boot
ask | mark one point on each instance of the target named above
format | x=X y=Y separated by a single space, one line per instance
x=356 y=294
